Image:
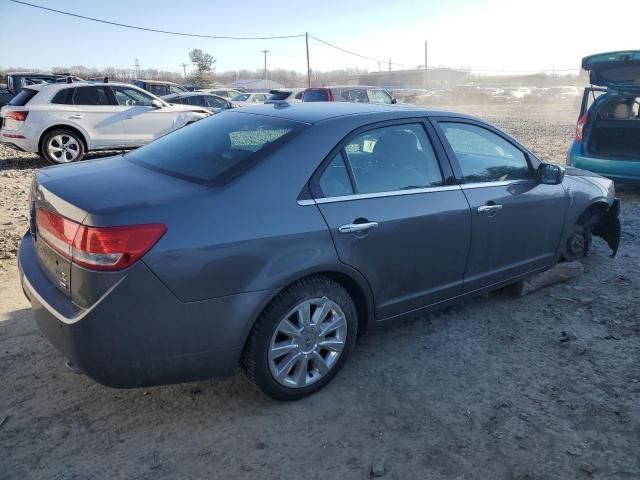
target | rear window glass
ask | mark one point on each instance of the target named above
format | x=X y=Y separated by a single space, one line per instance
x=316 y=96
x=23 y=97
x=279 y=96
x=217 y=149
x=63 y=96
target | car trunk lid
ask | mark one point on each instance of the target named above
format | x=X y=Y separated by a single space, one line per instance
x=74 y=206
x=617 y=70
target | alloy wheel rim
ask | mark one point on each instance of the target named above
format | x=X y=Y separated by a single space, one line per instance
x=64 y=148
x=307 y=343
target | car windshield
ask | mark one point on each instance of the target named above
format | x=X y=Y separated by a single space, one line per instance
x=217 y=149
x=241 y=97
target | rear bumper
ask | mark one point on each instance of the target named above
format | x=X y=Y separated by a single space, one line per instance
x=138 y=333
x=22 y=144
x=621 y=170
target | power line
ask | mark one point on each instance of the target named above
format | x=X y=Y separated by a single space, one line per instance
x=357 y=54
x=134 y=27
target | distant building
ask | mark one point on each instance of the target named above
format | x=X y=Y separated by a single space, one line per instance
x=254 y=85
x=435 y=77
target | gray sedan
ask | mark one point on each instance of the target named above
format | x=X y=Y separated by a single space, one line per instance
x=272 y=237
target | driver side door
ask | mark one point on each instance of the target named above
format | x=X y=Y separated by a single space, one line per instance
x=516 y=222
x=142 y=122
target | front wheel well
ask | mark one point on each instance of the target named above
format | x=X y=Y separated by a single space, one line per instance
x=593 y=214
x=62 y=127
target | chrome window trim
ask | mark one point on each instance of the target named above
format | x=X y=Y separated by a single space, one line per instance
x=466 y=186
x=393 y=193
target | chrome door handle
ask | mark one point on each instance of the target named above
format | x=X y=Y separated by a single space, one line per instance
x=489 y=208
x=356 y=227
x=75 y=117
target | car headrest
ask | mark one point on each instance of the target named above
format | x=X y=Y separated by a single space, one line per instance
x=395 y=143
x=622 y=111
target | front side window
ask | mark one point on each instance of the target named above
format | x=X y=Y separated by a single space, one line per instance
x=176 y=89
x=216 y=149
x=484 y=156
x=131 y=97
x=379 y=96
x=398 y=157
x=242 y=97
x=197 y=100
x=215 y=102
x=91 y=96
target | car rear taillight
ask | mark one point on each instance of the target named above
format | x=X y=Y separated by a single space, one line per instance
x=97 y=248
x=18 y=116
x=580 y=126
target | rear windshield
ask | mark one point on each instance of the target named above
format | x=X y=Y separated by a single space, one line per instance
x=23 y=97
x=217 y=149
x=316 y=95
x=279 y=96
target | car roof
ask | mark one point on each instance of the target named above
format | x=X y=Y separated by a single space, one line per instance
x=61 y=85
x=313 y=112
x=158 y=82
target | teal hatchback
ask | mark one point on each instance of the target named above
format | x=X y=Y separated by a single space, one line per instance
x=608 y=131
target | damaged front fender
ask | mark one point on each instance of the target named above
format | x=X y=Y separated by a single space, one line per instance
x=609 y=227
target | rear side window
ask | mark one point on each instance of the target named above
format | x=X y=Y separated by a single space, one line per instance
x=23 y=97
x=335 y=181
x=91 y=96
x=217 y=149
x=63 y=97
x=316 y=95
x=158 y=90
x=484 y=156
x=398 y=157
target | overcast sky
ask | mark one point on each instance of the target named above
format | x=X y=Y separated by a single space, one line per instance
x=496 y=35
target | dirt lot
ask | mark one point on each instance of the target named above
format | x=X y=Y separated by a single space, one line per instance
x=485 y=390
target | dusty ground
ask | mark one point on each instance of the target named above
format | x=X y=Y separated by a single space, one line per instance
x=485 y=390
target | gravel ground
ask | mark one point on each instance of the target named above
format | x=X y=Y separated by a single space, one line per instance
x=541 y=387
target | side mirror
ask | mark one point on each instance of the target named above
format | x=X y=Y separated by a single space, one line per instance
x=550 y=174
x=156 y=103
x=394 y=101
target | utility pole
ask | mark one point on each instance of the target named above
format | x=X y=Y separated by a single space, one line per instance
x=426 y=83
x=137 y=66
x=306 y=38
x=389 y=64
x=379 y=65
x=184 y=67
x=265 y=66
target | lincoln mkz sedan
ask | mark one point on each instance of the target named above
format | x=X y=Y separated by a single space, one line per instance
x=271 y=237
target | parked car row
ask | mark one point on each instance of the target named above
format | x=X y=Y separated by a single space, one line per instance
x=64 y=121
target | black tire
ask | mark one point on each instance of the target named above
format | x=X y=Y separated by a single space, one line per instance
x=255 y=358
x=75 y=146
x=577 y=244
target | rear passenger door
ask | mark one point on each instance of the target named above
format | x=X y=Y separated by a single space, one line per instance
x=516 y=221
x=93 y=110
x=393 y=217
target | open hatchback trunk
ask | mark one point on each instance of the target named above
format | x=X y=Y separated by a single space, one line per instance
x=612 y=126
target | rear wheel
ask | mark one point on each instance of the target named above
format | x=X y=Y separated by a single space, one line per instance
x=302 y=339
x=62 y=146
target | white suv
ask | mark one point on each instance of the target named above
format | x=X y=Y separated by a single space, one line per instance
x=62 y=122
